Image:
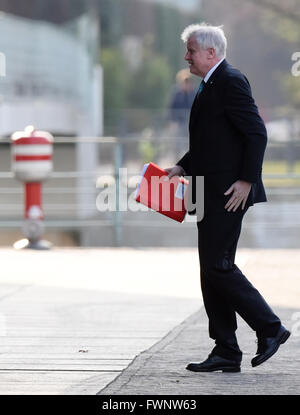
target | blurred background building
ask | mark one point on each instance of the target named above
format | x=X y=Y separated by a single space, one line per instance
x=88 y=69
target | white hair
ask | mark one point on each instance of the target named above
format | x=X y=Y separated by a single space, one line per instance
x=207 y=36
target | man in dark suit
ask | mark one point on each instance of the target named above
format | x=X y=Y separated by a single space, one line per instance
x=227 y=145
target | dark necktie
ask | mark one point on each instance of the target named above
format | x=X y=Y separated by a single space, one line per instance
x=201 y=87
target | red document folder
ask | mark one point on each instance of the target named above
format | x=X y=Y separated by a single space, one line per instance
x=165 y=197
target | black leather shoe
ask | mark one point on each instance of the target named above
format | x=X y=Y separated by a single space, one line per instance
x=213 y=363
x=269 y=345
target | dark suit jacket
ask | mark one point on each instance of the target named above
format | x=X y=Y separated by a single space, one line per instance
x=227 y=138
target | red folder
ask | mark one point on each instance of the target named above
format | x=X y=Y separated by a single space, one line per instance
x=165 y=197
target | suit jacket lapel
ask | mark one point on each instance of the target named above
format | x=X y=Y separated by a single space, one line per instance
x=217 y=71
x=200 y=100
x=197 y=104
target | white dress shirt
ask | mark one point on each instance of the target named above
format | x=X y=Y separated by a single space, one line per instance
x=209 y=73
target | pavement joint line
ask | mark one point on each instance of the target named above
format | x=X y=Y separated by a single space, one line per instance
x=81 y=359
x=17 y=290
x=82 y=337
x=60 y=370
x=141 y=359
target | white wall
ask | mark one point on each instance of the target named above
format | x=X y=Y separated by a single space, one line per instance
x=49 y=77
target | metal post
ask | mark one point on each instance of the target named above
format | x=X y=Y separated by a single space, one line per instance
x=118 y=213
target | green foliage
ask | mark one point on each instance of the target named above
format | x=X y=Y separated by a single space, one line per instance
x=144 y=90
x=150 y=84
x=169 y=25
x=282 y=20
x=281 y=26
x=115 y=85
x=115 y=78
x=147 y=151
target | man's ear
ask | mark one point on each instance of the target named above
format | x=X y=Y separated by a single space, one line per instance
x=211 y=53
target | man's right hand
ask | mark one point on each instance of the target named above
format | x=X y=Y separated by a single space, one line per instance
x=175 y=171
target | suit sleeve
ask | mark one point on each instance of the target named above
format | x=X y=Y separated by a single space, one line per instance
x=243 y=114
x=184 y=162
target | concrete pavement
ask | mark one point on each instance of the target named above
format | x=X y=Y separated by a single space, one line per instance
x=84 y=321
x=161 y=369
x=72 y=319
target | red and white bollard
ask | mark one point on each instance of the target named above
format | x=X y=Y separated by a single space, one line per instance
x=32 y=164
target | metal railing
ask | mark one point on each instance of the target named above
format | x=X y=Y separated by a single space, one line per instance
x=60 y=193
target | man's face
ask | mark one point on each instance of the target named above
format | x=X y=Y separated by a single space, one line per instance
x=200 y=60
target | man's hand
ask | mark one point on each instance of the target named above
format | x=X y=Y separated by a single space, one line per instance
x=241 y=190
x=175 y=171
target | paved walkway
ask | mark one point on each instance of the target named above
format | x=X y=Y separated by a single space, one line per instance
x=161 y=369
x=84 y=321
x=72 y=319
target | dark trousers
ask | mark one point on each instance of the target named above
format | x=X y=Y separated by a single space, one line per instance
x=226 y=291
